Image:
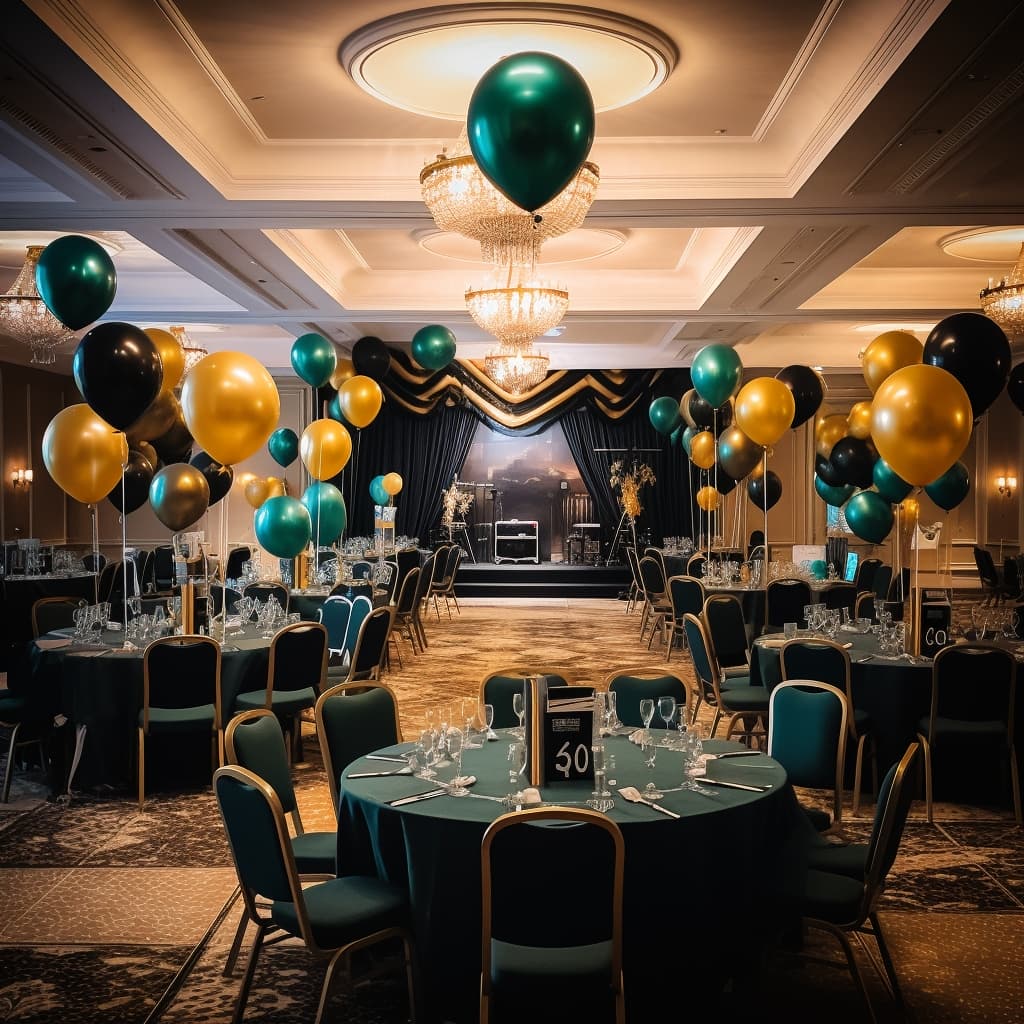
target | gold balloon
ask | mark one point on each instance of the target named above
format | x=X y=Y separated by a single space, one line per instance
x=921 y=422
x=84 y=454
x=707 y=498
x=257 y=490
x=829 y=430
x=360 y=399
x=276 y=487
x=764 y=410
x=231 y=405
x=909 y=511
x=162 y=414
x=859 y=421
x=344 y=370
x=148 y=452
x=171 y=355
x=888 y=353
x=325 y=447
x=703 y=449
x=392 y=483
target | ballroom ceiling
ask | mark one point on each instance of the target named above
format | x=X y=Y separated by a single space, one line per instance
x=806 y=175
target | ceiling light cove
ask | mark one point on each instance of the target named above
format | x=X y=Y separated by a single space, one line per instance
x=429 y=61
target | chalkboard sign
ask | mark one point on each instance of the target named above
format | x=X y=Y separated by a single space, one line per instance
x=560 y=729
x=934 y=618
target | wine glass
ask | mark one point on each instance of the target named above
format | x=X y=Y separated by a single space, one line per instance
x=519 y=707
x=489 y=721
x=516 y=757
x=646 y=715
x=456 y=744
x=650 y=752
x=425 y=754
x=601 y=798
x=469 y=708
x=693 y=748
x=666 y=709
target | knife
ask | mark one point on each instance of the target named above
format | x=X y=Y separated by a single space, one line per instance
x=382 y=757
x=704 y=780
x=416 y=797
x=737 y=753
x=379 y=775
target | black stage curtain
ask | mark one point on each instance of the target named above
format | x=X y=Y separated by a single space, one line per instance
x=667 y=505
x=425 y=450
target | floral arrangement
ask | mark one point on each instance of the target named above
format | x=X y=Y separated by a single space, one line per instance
x=628 y=484
x=455 y=504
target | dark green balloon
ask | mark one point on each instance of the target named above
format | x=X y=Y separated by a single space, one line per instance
x=951 y=488
x=890 y=485
x=76 y=279
x=716 y=373
x=664 y=413
x=377 y=492
x=833 y=495
x=531 y=126
x=283 y=446
x=870 y=516
x=675 y=436
x=433 y=347
x=326 y=508
x=335 y=413
x=688 y=435
x=314 y=359
x=282 y=526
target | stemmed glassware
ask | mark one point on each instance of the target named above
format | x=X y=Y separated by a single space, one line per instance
x=614 y=722
x=666 y=710
x=601 y=798
x=693 y=748
x=456 y=743
x=469 y=716
x=646 y=716
x=519 y=707
x=489 y=722
x=426 y=754
x=650 y=751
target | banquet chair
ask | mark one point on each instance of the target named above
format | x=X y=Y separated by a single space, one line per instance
x=105 y=584
x=14 y=713
x=335 y=613
x=180 y=693
x=633 y=590
x=841 y=595
x=972 y=707
x=845 y=902
x=332 y=918
x=498 y=687
x=1012 y=579
x=807 y=726
x=296 y=671
x=371 y=645
x=532 y=952
x=264 y=590
x=829 y=662
x=685 y=594
x=632 y=685
x=407 y=559
x=354 y=719
x=237 y=557
x=445 y=586
x=146 y=572
x=362 y=570
x=659 y=556
x=746 y=705
x=657 y=607
x=756 y=541
x=899 y=586
x=881 y=581
x=405 y=608
x=163 y=568
x=695 y=565
x=361 y=608
x=864 y=607
x=420 y=597
x=784 y=602
x=388 y=579
x=217 y=592
x=50 y=613
x=989 y=578
x=865 y=578
x=723 y=616
x=94 y=561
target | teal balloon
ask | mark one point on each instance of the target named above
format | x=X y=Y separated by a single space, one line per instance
x=819 y=569
x=664 y=413
x=433 y=347
x=676 y=435
x=890 y=486
x=283 y=446
x=716 y=373
x=531 y=126
x=688 y=435
x=282 y=526
x=326 y=508
x=832 y=495
x=76 y=279
x=870 y=516
x=377 y=492
x=314 y=359
x=951 y=488
x=335 y=413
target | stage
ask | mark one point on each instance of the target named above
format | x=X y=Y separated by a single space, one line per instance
x=547 y=579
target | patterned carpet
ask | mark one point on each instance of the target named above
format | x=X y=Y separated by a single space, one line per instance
x=106 y=905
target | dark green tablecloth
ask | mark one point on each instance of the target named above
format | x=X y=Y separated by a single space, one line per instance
x=732 y=848
x=17 y=595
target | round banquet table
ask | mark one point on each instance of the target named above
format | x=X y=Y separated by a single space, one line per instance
x=19 y=593
x=99 y=691
x=731 y=849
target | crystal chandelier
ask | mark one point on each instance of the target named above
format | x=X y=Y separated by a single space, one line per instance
x=462 y=200
x=192 y=352
x=516 y=370
x=1004 y=302
x=25 y=318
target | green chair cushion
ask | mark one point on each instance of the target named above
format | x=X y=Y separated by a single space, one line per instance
x=287 y=702
x=831 y=897
x=746 y=698
x=250 y=700
x=180 y=719
x=849 y=859
x=11 y=708
x=738 y=672
x=316 y=853
x=731 y=682
x=343 y=909
x=517 y=968
x=960 y=729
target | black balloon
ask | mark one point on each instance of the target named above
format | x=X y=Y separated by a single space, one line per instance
x=671 y=384
x=138 y=475
x=118 y=369
x=1015 y=386
x=724 y=483
x=218 y=476
x=174 y=446
x=705 y=415
x=805 y=385
x=828 y=472
x=371 y=358
x=765 y=490
x=855 y=460
x=976 y=351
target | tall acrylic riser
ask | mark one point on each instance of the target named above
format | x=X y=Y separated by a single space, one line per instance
x=384 y=528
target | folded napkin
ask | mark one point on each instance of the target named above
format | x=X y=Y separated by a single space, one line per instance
x=45 y=644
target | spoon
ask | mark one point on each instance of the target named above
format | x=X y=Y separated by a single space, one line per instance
x=632 y=794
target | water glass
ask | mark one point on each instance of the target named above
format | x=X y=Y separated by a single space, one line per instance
x=666 y=712
x=601 y=797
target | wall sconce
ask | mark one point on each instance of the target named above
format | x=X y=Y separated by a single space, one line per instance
x=21 y=478
x=1006 y=485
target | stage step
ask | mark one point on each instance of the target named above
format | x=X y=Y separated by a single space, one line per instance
x=549 y=579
